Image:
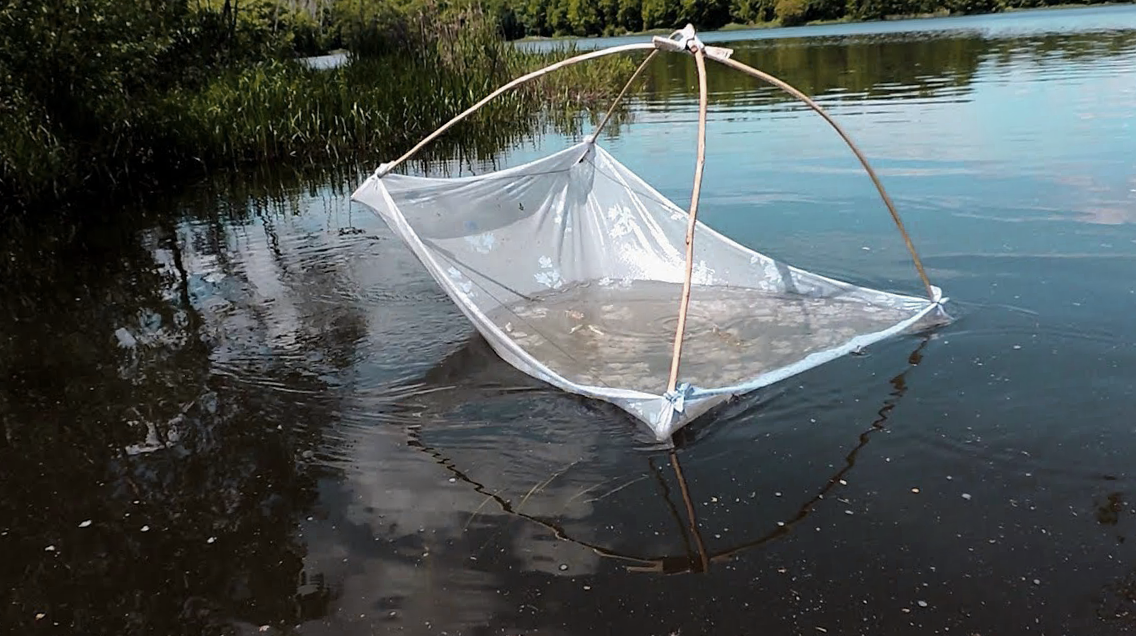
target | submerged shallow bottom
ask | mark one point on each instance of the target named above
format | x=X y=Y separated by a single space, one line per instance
x=622 y=336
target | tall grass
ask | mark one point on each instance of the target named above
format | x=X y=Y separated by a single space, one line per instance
x=281 y=110
x=278 y=109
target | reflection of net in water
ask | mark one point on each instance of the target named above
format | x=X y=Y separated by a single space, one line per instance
x=688 y=546
x=618 y=336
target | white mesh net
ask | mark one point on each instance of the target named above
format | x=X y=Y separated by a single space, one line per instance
x=572 y=268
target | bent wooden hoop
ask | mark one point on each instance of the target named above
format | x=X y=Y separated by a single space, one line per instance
x=687 y=42
x=766 y=77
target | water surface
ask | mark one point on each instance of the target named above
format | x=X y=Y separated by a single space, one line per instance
x=248 y=409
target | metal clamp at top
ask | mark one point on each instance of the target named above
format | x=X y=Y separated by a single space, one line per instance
x=686 y=41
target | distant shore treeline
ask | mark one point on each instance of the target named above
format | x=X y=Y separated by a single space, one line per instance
x=546 y=18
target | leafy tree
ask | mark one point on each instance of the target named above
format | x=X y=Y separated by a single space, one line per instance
x=706 y=14
x=585 y=17
x=534 y=17
x=659 y=14
x=973 y=6
x=630 y=15
x=558 y=23
x=609 y=14
x=792 y=12
x=752 y=11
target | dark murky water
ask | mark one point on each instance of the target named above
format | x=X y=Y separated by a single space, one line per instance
x=251 y=406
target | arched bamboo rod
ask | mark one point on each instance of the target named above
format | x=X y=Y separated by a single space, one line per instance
x=680 y=330
x=618 y=98
x=386 y=168
x=766 y=77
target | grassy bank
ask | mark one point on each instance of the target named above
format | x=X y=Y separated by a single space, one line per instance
x=285 y=110
x=106 y=95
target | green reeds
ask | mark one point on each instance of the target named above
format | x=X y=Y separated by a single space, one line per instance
x=280 y=110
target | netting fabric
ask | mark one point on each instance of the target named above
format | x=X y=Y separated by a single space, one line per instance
x=572 y=268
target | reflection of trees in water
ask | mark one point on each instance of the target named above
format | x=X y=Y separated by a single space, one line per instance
x=886 y=66
x=863 y=67
x=112 y=412
x=1059 y=49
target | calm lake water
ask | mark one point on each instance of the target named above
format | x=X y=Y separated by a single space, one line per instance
x=250 y=410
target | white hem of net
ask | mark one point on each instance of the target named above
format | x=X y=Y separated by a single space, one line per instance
x=666 y=423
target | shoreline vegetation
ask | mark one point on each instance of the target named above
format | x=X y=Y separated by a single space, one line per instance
x=557 y=20
x=122 y=97
x=776 y=23
x=112 y=96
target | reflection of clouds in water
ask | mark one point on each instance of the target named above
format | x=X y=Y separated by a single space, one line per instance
x=266 y=279
x=1108 y=214
x=382 y=582
x=1079 y=199
x=399 y=535
x=291 y=296
x=247 y=302
x=403 y=490
x=1093 y=200
x=412 y=546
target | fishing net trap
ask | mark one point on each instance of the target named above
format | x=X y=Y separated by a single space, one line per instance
x=564 y=265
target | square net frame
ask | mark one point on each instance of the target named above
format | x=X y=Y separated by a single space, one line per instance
x=579 y=273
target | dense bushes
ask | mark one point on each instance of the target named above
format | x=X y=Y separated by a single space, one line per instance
x=278 y=110
x=95 y=93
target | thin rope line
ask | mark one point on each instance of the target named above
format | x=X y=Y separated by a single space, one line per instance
x=634 y=76
x=383 y=170
x=456 y=261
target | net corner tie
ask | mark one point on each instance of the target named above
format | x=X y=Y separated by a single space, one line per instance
x=678 y=397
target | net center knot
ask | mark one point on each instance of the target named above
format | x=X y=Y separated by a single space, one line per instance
x=677 y=398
